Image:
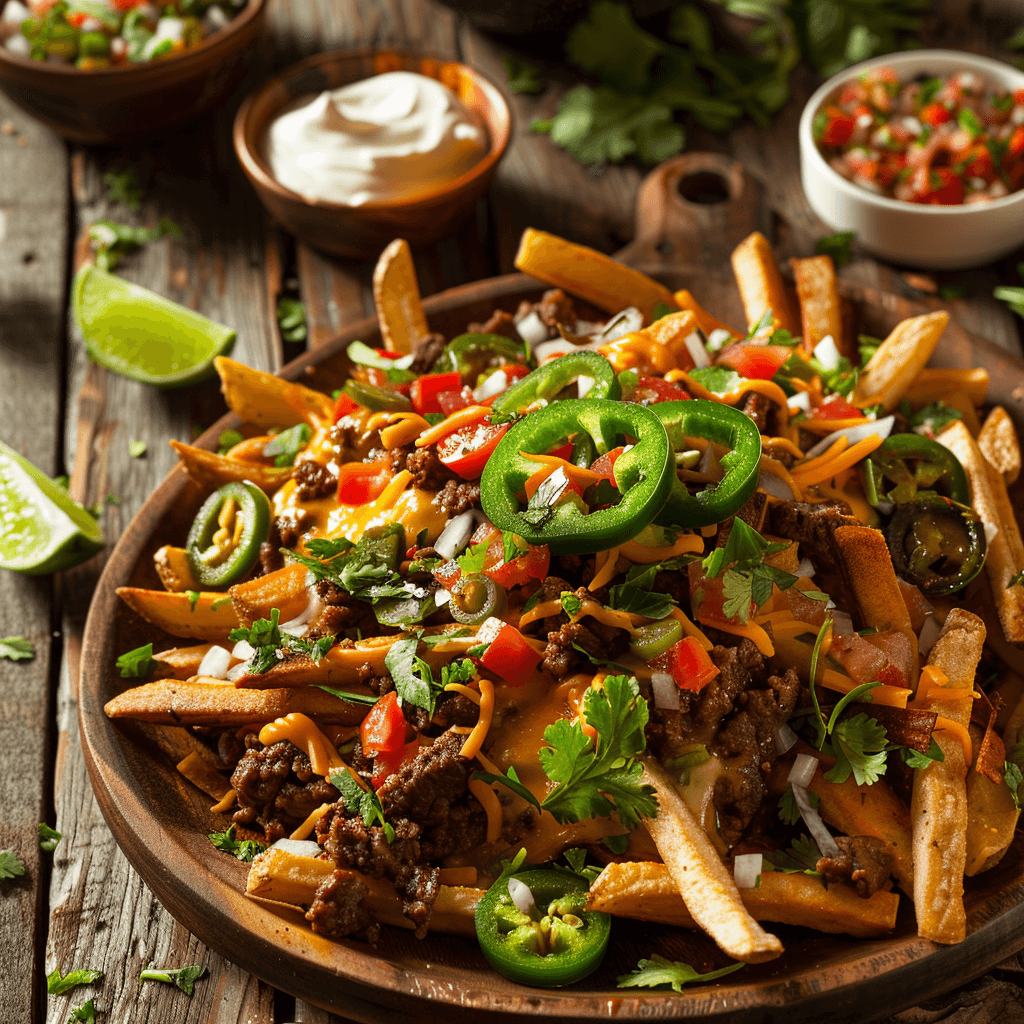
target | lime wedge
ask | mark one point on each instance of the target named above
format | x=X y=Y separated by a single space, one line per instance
x=142 y=335
x=41 y=528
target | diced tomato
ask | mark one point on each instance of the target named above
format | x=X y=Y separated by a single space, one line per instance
x=935 y=114
x=467 y=450
x=562 y=451
x=384 y=728
x=387 y=762
x=362 y=482
x=835 y=407
x=944 y=188
x=605 y=464
x=424 y=391
x=1015 y=147
x=804 y=608
x=508 y=654
x=836 y=128
x=1018 y=96
x=852 y=93
x=755 y=362
x=533 y=565
x=344 y=406
x=978 y=163
x=651 y=390
x=448 y=573
x=451 y=400
x=707 y=598
x=688 y=664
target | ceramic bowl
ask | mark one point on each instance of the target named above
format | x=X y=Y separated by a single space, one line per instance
x=366 y=229
x=109 y=105
x=931 y=237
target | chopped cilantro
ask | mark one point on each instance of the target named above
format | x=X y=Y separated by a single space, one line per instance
x=523 y=75
x=414 y=681
x=227 y=440
x=659 y=971
x=571 y=604
x=10 y=865
x=933 y=418
x=638 y=595
x=802 y=856
x=110 y=240
x=919 y=759
x=283 y=447
x=719 y=380
x=1016 y=580
x=577 y=860
x=86 y=1013
x=1013 y=296
x=617 y=844
x=136 y=449
x=867 y=346
x=16 y=648
x=48 y=837
x=510 y=780
x=788 y=810
x=135 y=663
x=473 y=559
x=359 y=801
x=462 y=671
x=291 y=318
x=1013 y=776
x=969 y=120
x=193 y=599
x=837 y=246
x=57 y=986
x=245 y=850
x=859 y=744
x=512 y=546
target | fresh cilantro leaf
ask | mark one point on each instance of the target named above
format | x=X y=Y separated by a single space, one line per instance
x=523 y=75
x=577 y=860
x=315 y=650
x=359 y=801
x=719 y=380
x=917 y=759
x=510 y=780
x=837 y=246
x=16 y=648
x=110 y=240
x=968 y=120
x=473 y=559
x=660 y=971
x=184 y=977
x=10 y=865
x=57 y=986
x=1014 y=297
x=802 y=856
x=511 y=546
x=599 y=662
x=352 y=698
x=788 y=810
x=436 y=639
x=227 y=440
x=1017 y=579
x=748 y=581
x=637 y=594
x=124 y=187
x=933 y=418
x=617 y=844
x=291 y=318
x=737 y=589
x=861 y=693
x=860 y=746
x=593 y=781
x=683 y=765
x=867 y=347
x=283 y=447
x=414 y=682
x=86 y=1013
x=324 y=549
x=838 y=380
x=462 y=671
x=266 y=640
x=661 y=309
x=245 y=850
x=136 y=663
x=48 y=837
x=193 y=599
x=136 y=449
x=571 y=604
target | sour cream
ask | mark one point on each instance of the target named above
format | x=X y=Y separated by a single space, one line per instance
x=393 y=136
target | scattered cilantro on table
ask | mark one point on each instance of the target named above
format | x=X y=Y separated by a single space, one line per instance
x=57 y=986
x=837 y=246
x=270 y=644
x=184 y=977
x=111 y=240
x=363 y=802
x=48 y=837
x=86 y=1013
x=291 y=318
x=16 y=648
x=523 y=75
x=136 y=449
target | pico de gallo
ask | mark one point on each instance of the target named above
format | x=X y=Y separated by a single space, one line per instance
x=937 y=141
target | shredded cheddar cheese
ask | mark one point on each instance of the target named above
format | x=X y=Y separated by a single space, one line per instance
x=621 y=620
x=465 y=691
x=306 y=735
x=850 y=457
x=691 y=629
x=457 y=420
x=491 y=805
x=226 y=802
x=476 y=738
x=960 y=733
x=306 y=828
x=753 y=632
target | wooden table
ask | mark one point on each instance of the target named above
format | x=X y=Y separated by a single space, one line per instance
x=83 y=906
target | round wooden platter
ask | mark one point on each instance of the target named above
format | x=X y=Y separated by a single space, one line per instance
x=161 y=822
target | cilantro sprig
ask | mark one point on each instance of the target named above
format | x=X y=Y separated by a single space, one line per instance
x=10 y=865
x=270 y=645
x=16 y=648
x=245 y=850
x=133 y=664
x=659 y=971
x=57 y=985
x=638 y=595
x=359 y=801
x=184 y=977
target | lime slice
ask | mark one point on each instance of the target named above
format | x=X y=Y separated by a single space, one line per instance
x=142 y=335
x=41 y=528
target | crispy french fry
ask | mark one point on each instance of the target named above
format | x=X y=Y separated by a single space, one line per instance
x=591 y=275
x=211 y=470
x=283 y=589
x=899 y=359
x=821 y=312
x=173 y=568
x=212 y=617
x=932 y=384
x=213 y=702
x=705 y=321
x=396 y=294
x=702 y=880
x=181 y=662
x=760 y=283
x=938 y=807
x=646 y=891
x=269 y=401
x=1005 y=553
x=201 y=773
x=293 y=879
x=998 y=443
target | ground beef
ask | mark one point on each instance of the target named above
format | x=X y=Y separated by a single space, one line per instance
x=758 y=408
x=336 y=910
x=424 y=789
x=455 y=709
x=277 y=788
x=344 y=437
x=500 y=322
x=426 y=352
x=288 y=528
x=271 y=558
x=604 y=643
x=456 y=497
x=428 y=471
x=313 y=480
x=342 y=614
x=554 y=308
x=551 y=589
x=864 y=862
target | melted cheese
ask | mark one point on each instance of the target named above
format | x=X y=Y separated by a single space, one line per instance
x=465 y=691
x=768 y=388
x=306 y=828
x=620 y=620
x=699 y=797
x=781 y=442
x=848 y=458
x=461 y=418
x=691 y=629
x=642 y=554
x=227 y=802
x=959 y=732
x=753 y=632
x=397 y=428
x=491 y=805
x=414 y=509
x=891 y=696
x=476 y=738
x=834 y=450
x=306 y=735
x=639 y=350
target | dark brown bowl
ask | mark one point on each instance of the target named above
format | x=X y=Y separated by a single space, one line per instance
x=365 y=230
x=106 y=105
x=523 y=17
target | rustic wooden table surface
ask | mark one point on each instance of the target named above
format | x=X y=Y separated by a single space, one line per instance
x=83 y=906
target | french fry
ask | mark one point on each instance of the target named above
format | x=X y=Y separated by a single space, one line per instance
x=760 y=283
x=968 y=414
x=938 y=807
x=821 y=312
x=212 y=617
x=702 y=880
x=998 y=443
x=269 y=401
x=591 y=275
x=211 y=470
x=705 y=321
x=899 y=359
x=646 y=891
x=202 y=774
x=214 y=702
x=173 y=568
x=932 y=384
x=284 y=589
x=396 y=294
x=1005 y=552
x=181 y=662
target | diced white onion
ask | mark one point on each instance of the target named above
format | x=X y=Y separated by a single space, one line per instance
x=442 y=597
x=746 y=869
x=215 y=663
x=812 y=819
x=17 y=43
x=91 y=24
x=698 y=353
x=913 y=125
x=718 y=339
x=801 y=401
x=587 y=327
x=707 y=461
x=455 y=536
x=805 y=568
x=553 y=349
x=990 y=532
x=293 y=627
x=842 y=623
x=494 y=385
x=785 y=738
x=626 y=322
x=665 y=690
x=885 y=506
x=521 y=895
x=1017 y=115
x=243 y=650
x=803 y=770
x=827 y=354
x=214 y=19
x=314 y=606
x=299 y=847
x=775 y=485
x=16 y=12
x=237 y=671
x=930 y=632
x=882 y=428
x=584 y=384
x=532 y=329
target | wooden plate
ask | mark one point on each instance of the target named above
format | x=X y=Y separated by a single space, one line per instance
x=161 y=822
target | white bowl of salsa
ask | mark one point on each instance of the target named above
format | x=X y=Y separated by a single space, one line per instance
x=922 y=232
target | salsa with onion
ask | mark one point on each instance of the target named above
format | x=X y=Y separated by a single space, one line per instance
x=937 y=141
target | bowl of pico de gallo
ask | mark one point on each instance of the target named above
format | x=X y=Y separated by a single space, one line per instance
x=921 y=154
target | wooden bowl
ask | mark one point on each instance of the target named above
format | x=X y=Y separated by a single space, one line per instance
x=108 y=105
x=161 y=821
x=365 y=230
x=525 y=17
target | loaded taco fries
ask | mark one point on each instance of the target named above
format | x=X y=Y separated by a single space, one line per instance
x=570 y=618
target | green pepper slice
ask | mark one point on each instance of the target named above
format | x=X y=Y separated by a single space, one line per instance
x=556 y=943
x=473 y=355
x=936 y=544
x=216 y=557
x=724 y=425
x=652 y=641
x=643 y=475
x=549 y=380
x=375 y=398
x=907 y=466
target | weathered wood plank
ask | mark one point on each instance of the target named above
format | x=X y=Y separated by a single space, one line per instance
x=33 y=231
